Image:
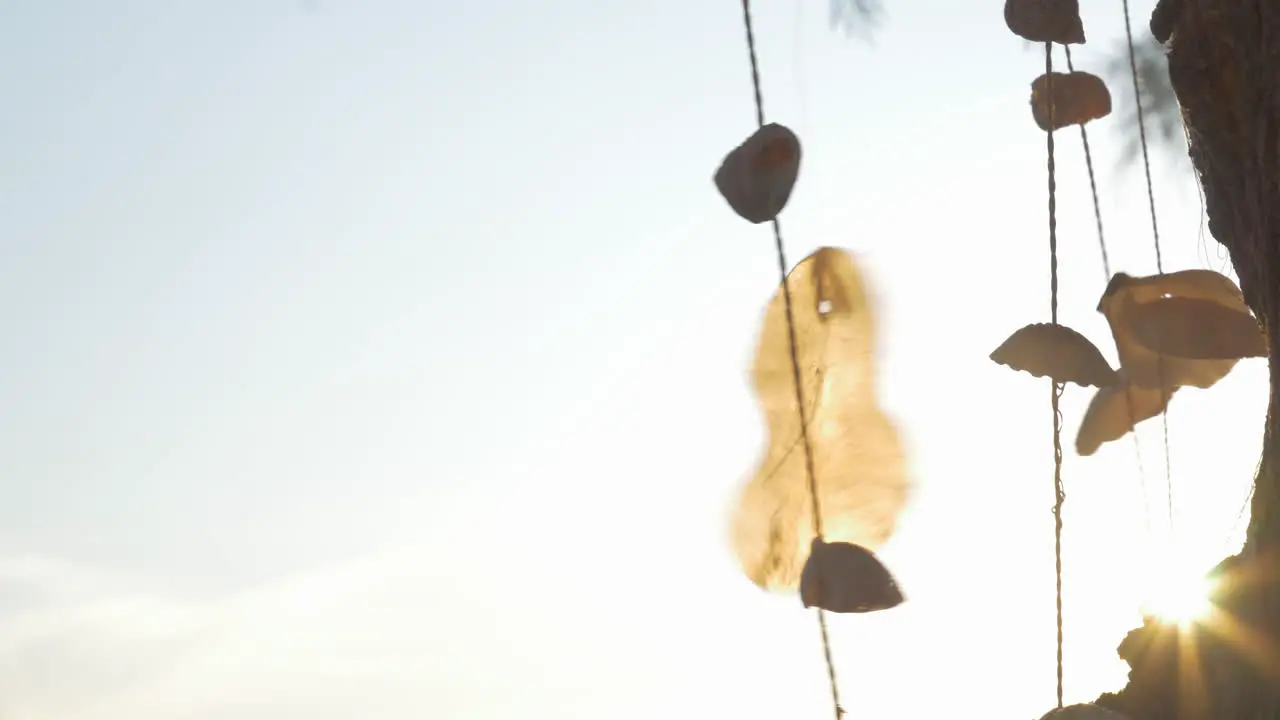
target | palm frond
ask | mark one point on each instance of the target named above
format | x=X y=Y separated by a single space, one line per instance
x=856 y=17
x=1160 y=108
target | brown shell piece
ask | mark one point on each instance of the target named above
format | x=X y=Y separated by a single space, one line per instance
x=1055 y=351
x=858 y=456
x=1078 y=97
x=756 y=178
x=1045 y=20
x=1115 y=410
x=1137 y=327
x=846 y=578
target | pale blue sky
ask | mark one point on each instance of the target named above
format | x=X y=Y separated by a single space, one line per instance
x=388 y=360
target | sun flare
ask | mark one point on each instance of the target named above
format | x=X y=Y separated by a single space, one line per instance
x=1181 y=598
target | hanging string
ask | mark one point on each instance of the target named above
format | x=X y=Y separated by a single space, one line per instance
x=1056 y=387
x=1142 y=136
x=1106 y=278
x=1155 y=234
x=795 y=365
x=1093 y=185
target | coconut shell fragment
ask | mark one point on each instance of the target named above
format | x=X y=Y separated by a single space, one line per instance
x=1045 y=20
x=1055 y=351
x=1076 y=98
x=846 y=578
x=757 y=177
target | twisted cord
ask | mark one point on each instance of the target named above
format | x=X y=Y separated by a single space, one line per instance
x=1106 y=277
x=1093 y=185
x=1056 y=387
x=1155 y=234
x=795 y=364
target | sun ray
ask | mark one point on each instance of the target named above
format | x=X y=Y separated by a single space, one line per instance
x=1181 y=600
x=1179 y=595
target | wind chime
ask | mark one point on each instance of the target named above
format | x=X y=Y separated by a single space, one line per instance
x=1181 y=329
x=833 y=479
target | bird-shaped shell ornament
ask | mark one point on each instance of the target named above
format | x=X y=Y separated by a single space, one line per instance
x=1045 y=20
x=858 y=460
x=846 y=578
x=1181 y=329
x=757 y=177
x=1175 y=330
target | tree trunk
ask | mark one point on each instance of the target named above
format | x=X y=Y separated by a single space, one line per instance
x=1224 y=64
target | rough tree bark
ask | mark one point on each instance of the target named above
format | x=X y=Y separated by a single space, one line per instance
x=1224 y=64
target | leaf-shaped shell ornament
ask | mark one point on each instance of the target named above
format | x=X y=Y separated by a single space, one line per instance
x=1085 y=711
x=845 y=578
x=1077 y=98
x=1055 y=351
x=756 y=178
x=1045 y=20
x=834 y=330
x=1136 y=327
x=857 y=455
x=1115 y=410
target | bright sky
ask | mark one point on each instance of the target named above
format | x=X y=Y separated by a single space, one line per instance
x=387 y=359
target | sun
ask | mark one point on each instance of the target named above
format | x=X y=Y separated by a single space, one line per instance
x=1181 y=598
